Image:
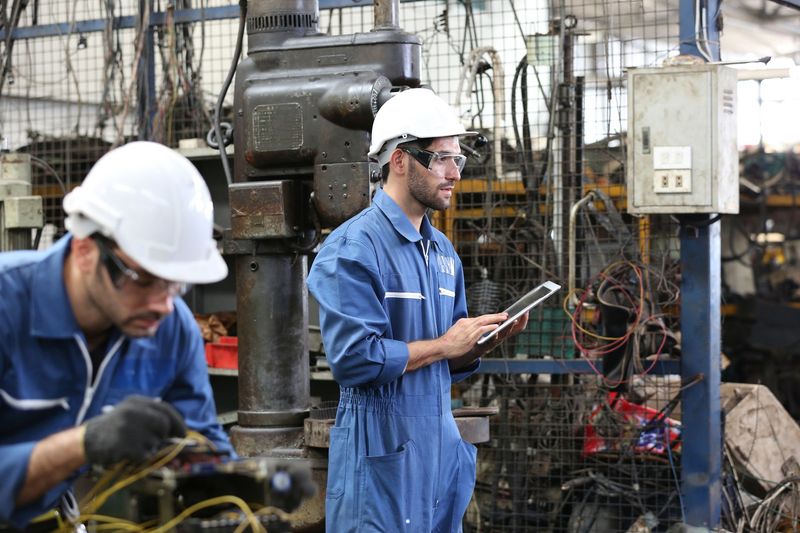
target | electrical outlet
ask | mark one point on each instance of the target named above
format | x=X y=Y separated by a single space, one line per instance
x=661 y=181
x=672 y=181
x=681 y=181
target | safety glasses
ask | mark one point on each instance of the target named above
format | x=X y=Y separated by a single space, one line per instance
x=436 y=160
x=121 y=274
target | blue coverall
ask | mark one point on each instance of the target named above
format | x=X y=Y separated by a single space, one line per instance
x=46 y=382
x=397 y=461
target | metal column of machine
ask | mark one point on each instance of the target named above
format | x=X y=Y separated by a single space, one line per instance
x=304 y=103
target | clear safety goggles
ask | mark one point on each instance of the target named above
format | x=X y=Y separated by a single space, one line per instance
x=436 y=160
x=121 y=274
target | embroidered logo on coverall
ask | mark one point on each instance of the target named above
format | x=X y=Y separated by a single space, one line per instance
x=447 y=264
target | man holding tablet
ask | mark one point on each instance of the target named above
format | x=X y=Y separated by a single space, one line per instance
x=393 y=316
x=521 y=307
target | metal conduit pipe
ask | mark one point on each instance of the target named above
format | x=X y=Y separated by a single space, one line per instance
x=387 y=14
x=573 y=215
x=469 y=74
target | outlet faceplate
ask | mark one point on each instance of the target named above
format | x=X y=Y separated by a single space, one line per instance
x=672 y=181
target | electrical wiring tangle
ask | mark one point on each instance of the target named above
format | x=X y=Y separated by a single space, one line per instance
x=179 y=90
x=168 y=94
x=99 y=494
x=625 y=285
x=139 y=43
x=123 y=475
x=770 y=514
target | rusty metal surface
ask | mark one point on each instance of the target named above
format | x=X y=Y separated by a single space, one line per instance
x=473 y=429
x=272 y=305
x=340 y=191
x=267 y=442
x=310 y=516
x=317 y=432
x=268 y=209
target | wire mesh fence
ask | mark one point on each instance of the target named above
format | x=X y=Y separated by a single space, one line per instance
x=542 y=198
x=567 y=455
x=69 y=95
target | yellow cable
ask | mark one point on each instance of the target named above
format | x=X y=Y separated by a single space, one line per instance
x=196 y=435
x=578 y=325
x=107 y=477
x=113 y=523
x=91 y=507
x=238 y=502
x=269 y=510
x=92 y=502
x=280 y=513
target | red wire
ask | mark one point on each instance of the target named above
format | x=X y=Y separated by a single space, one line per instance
x=586 y=352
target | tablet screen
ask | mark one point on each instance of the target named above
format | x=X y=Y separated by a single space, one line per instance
x=521 y=306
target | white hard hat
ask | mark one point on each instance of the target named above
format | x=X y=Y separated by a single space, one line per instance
x=410 y=115
x=153 y=202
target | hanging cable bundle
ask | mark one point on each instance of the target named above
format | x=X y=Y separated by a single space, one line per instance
x=618 y=317
x=484 y=296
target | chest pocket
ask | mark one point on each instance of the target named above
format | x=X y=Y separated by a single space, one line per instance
x=444 y=264
x=405 y=305
x=447 y=300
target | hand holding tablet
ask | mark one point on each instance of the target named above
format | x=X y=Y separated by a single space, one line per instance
x=522 y=306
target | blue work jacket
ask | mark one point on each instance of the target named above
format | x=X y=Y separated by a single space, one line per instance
x=46 y=372
x=397 y=461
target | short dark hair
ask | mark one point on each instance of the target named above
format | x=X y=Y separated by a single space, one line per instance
x=422 y=144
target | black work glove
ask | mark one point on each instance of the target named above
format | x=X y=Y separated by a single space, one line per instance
x=131 y=431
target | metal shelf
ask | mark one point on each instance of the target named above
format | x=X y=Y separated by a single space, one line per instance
x=562 y=366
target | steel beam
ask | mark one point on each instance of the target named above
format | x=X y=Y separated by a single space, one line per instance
x=561 y=366
x=688 y=32
x=126 y=22
x=701 y=457
x=181 y=16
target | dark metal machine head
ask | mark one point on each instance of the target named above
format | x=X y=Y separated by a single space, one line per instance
x=304 y=103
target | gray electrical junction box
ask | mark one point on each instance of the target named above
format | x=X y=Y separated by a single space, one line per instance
x=682 y=153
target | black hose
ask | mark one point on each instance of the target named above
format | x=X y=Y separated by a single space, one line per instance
x=526 y=124
x=521 y=67
x=225 y=86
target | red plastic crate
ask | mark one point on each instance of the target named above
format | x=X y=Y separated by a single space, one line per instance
x=224 y=353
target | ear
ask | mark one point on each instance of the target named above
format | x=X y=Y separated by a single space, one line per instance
x=85 y=254
x=398 y=162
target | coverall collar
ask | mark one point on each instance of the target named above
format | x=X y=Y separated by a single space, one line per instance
x=400 y=221
x=51 y=312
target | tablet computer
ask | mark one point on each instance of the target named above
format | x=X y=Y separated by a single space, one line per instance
x=522 y=306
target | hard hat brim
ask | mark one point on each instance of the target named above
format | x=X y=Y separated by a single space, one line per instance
x=208 y=270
